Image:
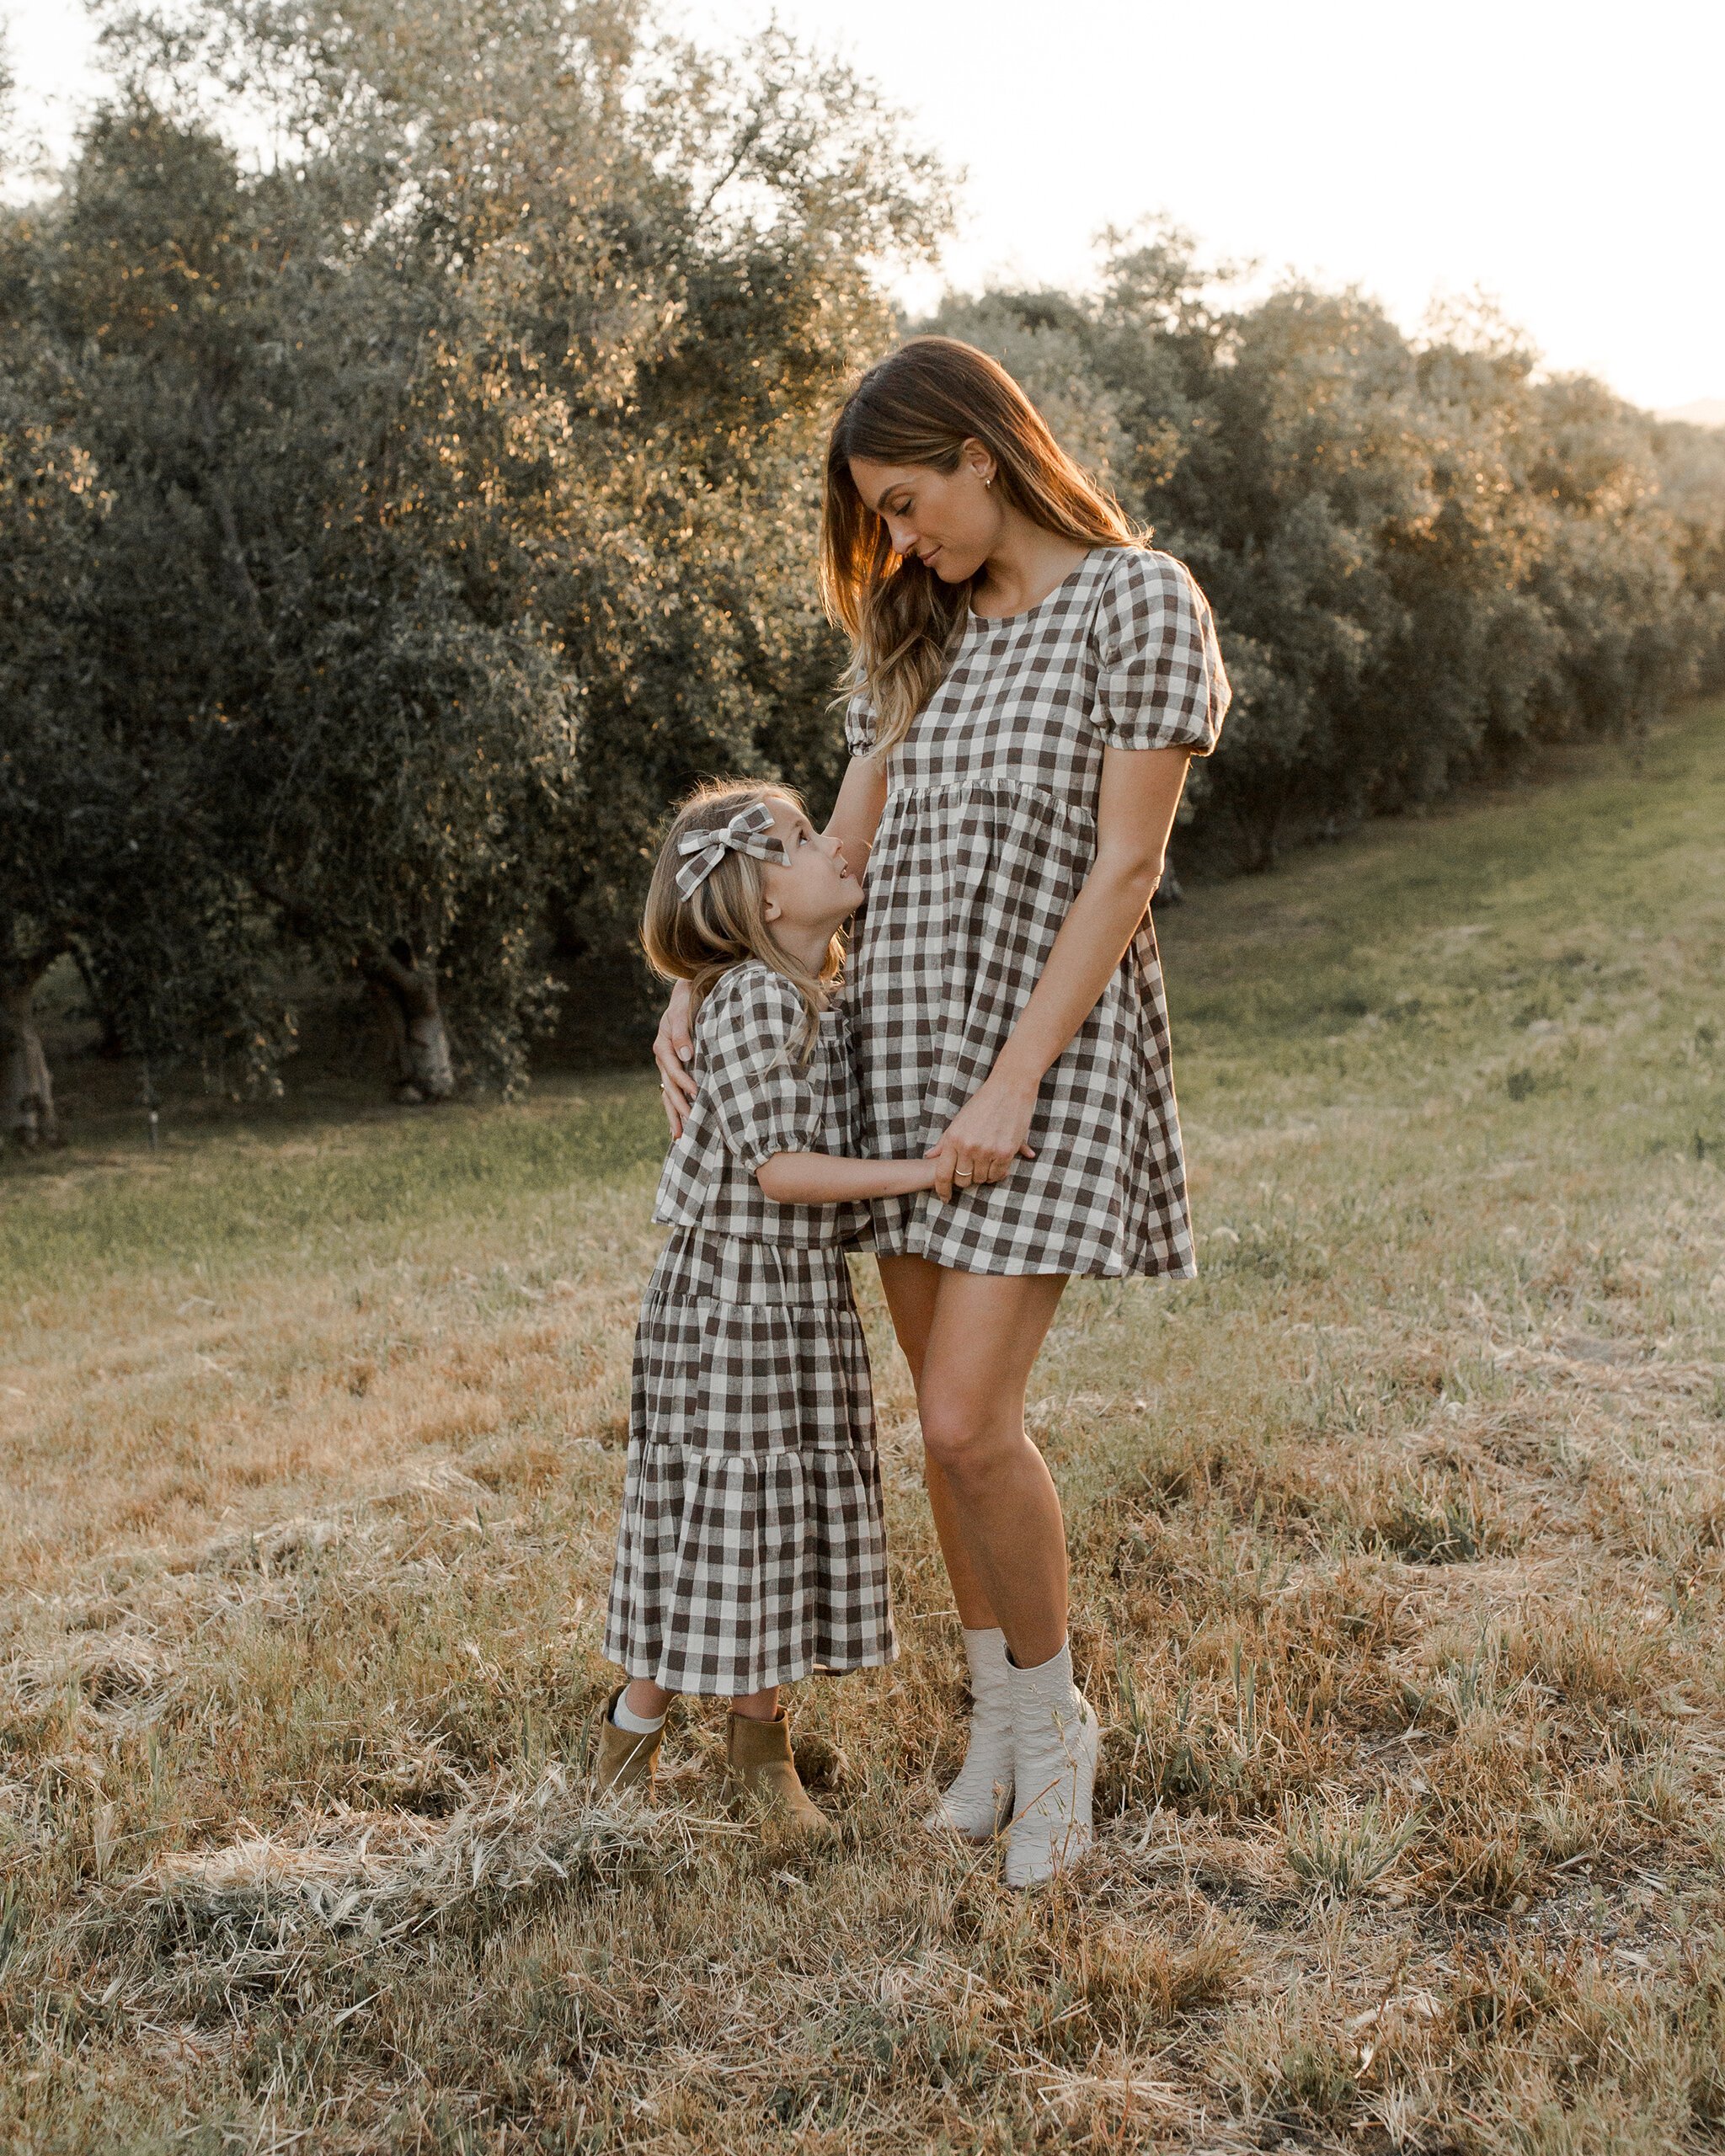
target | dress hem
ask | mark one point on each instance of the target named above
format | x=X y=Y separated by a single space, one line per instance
x=797 y=1675
x=884 y=1248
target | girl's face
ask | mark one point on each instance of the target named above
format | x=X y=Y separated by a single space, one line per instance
x=949 y=521
x=813 y=890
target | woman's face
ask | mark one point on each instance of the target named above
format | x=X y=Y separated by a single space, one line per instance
x=948 y=520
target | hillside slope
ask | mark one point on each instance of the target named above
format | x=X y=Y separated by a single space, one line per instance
x=1399 y=1544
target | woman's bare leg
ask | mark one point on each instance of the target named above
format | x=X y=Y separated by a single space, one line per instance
x=909 y=1285
x=972 y=1340
x=987 y=1333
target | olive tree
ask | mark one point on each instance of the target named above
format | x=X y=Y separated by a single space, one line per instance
x=1423 y=558
x=51 y=783
x=461 y=460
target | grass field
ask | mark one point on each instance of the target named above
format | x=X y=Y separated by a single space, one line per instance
x=1399 y=1544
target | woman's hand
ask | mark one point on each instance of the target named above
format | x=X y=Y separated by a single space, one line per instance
x=985 y=1137
x=673 y=1050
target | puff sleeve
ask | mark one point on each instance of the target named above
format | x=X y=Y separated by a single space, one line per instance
x=1161 y=682
x=859 y=725
x=763 y=1102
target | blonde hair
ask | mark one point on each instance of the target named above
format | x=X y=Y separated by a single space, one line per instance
x=722 y=921
x=920 y=405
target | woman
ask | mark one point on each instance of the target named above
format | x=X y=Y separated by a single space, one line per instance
x=1030 y=681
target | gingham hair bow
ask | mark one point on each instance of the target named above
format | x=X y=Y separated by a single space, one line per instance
x=749 y=831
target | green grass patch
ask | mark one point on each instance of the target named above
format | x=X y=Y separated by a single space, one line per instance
x=241 y=1198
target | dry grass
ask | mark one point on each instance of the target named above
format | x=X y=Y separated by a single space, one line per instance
x=1399 y=1547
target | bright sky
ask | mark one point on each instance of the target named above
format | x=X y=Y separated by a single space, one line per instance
x=1560 y=154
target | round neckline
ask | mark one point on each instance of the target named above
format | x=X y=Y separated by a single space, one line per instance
x=990 y=622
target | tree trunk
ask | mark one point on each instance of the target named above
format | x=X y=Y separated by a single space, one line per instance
x=1258 y=821
x=26 y=1085
x=109 y=1042
x=404 y=995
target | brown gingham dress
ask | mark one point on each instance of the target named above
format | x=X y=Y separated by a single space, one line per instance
x=988 y=833
x=750 y=1549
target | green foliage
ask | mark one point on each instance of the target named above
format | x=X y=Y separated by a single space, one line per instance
x=456 y=503
x=1423 y=558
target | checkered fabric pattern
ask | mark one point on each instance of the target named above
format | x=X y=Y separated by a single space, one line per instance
x=988 y=833
x=751 y=1550
x=752 y=1100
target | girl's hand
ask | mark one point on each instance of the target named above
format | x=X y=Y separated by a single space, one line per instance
x=673 y=1050
x=985 y=1137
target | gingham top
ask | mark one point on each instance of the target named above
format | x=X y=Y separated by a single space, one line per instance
x=988 y=833
x=754 y=1099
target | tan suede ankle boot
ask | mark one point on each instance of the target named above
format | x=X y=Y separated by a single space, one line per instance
x=761 y=1775
x=623 y=1758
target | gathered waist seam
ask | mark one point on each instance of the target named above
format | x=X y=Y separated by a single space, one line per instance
x=1017 y=789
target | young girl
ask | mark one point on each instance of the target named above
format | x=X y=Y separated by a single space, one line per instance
x=750 y=1549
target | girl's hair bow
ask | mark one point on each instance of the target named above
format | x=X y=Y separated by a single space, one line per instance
x=749 y=831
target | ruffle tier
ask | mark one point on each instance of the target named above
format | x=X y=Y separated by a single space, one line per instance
x=751 y=1550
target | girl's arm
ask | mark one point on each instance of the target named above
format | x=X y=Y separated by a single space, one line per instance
x=856 y=818
x=831 y=1178
x=1140 y=791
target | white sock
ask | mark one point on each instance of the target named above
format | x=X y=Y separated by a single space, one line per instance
x=636 y=1725
x=980 y=1798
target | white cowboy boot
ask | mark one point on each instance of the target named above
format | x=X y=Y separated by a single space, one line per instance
x=980 y=1802
x=1055 y=1741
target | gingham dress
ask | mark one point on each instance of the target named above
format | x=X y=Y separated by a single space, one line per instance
x=988 y=833
x=750 y=1549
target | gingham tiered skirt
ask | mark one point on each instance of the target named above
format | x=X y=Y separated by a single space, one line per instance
x=751 y=1550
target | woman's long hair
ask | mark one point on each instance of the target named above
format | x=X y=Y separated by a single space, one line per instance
x=722 y=921
x=920 y=405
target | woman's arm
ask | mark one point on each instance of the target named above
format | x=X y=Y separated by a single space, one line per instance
x=830 y=1178
x=1140 y=791
x=856 y=818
